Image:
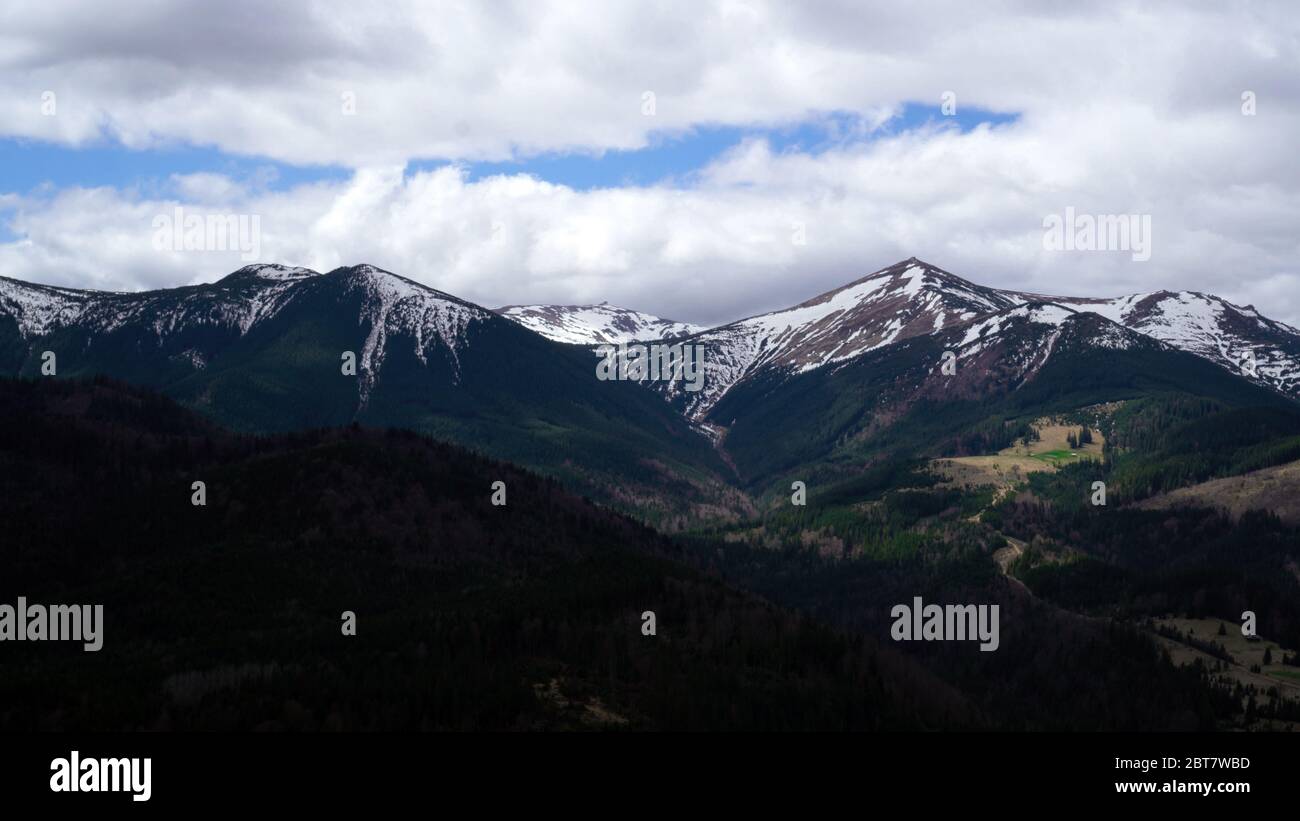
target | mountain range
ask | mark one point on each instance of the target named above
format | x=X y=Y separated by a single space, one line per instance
x=820 y=384
x=913 y=298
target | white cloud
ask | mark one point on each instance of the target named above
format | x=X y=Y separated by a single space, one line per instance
x=484 y=80
x=1125 y=108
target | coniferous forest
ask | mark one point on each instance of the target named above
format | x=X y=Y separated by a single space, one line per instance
x=531 y=614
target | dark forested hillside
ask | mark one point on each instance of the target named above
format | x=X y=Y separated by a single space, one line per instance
x=849 y=556
x=468 y=615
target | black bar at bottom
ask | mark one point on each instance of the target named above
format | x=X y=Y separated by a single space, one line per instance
x=206 y=772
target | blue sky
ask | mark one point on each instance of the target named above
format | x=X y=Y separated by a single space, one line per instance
x=675 y=157
x=30 y=164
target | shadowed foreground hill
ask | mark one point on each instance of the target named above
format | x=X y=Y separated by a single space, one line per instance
x=469 y=616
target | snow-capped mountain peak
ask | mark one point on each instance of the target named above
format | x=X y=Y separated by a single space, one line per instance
x=190 y=324
x=274 y=271
x=1238 y=338
x=602 y=324
x=38 y=309
x=907 y=299
x=393 y=305
x=913 y=298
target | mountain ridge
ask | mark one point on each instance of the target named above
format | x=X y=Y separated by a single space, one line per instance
x=913 y=298
x=924 y=297
x=256 y=349
x=266 y=349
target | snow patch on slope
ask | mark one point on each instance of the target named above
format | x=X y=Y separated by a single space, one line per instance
x=279 y=272
x=395 y=305
x=38 y=309
x=981 y=331
x=1238 y=339
x=602 y=324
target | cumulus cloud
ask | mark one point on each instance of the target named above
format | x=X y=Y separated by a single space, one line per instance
x=1122 y=109
x=489 y=80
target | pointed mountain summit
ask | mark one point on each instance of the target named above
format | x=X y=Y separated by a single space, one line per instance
x=907 y=299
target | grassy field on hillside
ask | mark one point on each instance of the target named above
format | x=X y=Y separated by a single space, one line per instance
x=1010 y=466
